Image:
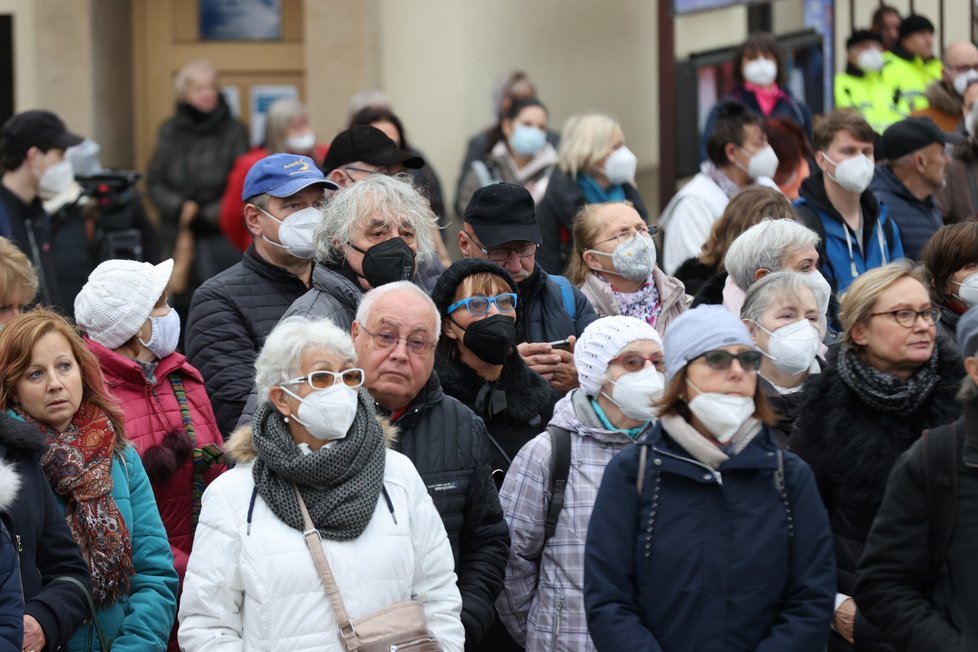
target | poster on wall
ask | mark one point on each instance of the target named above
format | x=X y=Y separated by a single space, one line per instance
x=240 y=20
x=263 y=97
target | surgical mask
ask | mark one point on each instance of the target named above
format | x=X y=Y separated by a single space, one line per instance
x=391 y=260
x=763 y=163
x=491 y=339
x=620 y=166
x=762 y=72
x=296 y=232
x=302 y=143
x=165 y=334
x=635 y=392
x=633 y=259
x=853 y=174
x=527 y=140
x=968 y=290
x=870 y=60
x=722 y=414
x=961 y=81
x=56 y=179
x=792 y=348
x=327 y=413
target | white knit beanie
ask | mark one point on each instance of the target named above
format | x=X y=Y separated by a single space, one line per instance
x=601 y=341
x=118 y=298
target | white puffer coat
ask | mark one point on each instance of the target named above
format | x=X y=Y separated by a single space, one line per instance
x=260 y=590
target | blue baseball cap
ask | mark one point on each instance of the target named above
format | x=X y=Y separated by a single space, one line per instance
x=283 y=175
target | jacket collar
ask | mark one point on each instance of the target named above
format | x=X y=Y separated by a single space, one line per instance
x=886 y=178
x=253 y=262
x=759 y=454
x=854 y=71
x=431 y=394
x=120 y=370
x=813 y=192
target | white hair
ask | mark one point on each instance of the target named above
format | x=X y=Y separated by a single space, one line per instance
x=371 y=297
x=394 y=199
x=193 y=70
x=280 y=357
x=765 y=246
x=776 y=286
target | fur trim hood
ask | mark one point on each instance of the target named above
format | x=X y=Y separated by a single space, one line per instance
x=9 y=485
x=942 y=98
x=240 y=446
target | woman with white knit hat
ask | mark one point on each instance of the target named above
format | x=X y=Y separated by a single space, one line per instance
x=619 y=363
x=133 y=332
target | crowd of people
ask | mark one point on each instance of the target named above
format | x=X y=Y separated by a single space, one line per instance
x=749 y=422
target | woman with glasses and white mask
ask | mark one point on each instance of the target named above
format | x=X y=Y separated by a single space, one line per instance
x=315 y=458
x=889 y=380
x=950 y=258
x=614 y=264
x=781 y=312
x=620 y=363
x=706 y=534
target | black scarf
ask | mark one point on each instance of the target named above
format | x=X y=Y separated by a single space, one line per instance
x=340 y=484
x=885 y=392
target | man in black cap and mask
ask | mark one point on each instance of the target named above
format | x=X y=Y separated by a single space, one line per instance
x=501 y=226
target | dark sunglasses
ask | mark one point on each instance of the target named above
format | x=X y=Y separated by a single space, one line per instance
x=721 y=360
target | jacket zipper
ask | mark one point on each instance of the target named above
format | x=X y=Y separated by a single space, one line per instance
x=556 y=627
x=713 y=472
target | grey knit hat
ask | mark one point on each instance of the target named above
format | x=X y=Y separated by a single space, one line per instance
x=699 y=330
x=968 y=333
x=601 y=341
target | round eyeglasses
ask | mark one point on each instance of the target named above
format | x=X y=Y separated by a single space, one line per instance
x=908 y=318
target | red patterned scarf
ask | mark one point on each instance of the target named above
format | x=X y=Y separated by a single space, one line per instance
x=78 y=464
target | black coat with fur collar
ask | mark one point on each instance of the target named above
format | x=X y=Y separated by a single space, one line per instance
x=852 y=448
x=516 y=408
x=39 y=530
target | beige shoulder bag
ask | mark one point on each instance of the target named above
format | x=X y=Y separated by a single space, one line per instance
x=400 y=627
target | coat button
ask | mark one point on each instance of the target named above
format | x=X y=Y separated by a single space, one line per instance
x=657 y=462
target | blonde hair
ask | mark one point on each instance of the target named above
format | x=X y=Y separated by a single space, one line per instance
x=16 y=273
x=192 y=70
x=586 y=229
x=584 y=141
x=280 y=115
x=858 y=301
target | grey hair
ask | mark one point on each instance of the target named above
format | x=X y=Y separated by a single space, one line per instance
x=280 y=357
x=392 y=197
x=195 y=68
x=765 y=246
x=775 y=286
x=280 y=115
x=371 y=297
x=968 y=390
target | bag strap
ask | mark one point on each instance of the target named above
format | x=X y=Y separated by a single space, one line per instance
x=314 y=543
x=103 y=646
x=566 y=294
x=560 y=458
x=781 y=485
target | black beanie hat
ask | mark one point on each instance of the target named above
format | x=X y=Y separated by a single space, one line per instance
x=863 y=36
x=443 y=294
x=915 y=23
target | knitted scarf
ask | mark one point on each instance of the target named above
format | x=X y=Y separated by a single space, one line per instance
x=885 y=392
x=78 y=464
x=726 y=184
x=340 y=484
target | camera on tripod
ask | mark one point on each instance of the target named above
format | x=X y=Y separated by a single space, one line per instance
x=118 y=205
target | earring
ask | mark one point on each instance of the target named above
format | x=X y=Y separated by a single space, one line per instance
x=286 y=417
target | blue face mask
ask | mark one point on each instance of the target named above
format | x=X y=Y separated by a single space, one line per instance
x=527 y=140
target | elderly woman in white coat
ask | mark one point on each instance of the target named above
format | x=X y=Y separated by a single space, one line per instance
x=251 y=581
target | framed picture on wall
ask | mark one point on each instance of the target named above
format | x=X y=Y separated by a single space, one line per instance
x=240 y=20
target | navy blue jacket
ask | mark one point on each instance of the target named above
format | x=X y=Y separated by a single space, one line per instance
x=918 y=219
x=542 y=314
x=708 y=560
x=11 y=596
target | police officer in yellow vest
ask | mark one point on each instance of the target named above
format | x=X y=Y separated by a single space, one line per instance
x=911 y=66
x=861 y=86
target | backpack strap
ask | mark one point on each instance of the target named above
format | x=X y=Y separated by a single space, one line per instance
x=941 y=476
x=567 y=294
x=560 y=458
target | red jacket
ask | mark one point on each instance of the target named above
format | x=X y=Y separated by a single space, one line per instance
x=152 y=411
x=232 y=206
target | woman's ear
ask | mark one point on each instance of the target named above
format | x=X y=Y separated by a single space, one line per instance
x=279 y=400
x=860 y=333
x=591 y=261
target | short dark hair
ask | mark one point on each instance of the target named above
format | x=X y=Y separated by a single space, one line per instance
x=368 y=115
x=758 y=43
x=732 y=118
x=950 y=249
x=880 y=13
x=849 y=120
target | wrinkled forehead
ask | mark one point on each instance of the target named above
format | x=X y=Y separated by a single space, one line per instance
x=405 y=311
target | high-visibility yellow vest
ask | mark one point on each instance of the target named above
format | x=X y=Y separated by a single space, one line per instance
x=909 y=79
x=868 y=94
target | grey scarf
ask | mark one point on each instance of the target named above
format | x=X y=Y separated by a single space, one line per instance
x=885 y=392
x=340 y=484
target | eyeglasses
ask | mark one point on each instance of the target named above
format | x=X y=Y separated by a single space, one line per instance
x=649 y=231
x=326 y=379
x=505 y=302
x=636 y=361
x=502 y=254
x=416 y=344
x=721 y=360
x=908 y=318
x=963 y=68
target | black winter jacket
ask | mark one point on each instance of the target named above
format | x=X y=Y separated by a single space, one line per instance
x=230 y=317
x=449 y=447
x=852 y=449
x=896 y=586
x=47 y=550
x=11 y=598
x=542 y=316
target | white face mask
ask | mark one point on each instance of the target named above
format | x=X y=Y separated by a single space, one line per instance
x=635 y=392
x=853 y=174
x=821 y=288
x=971 y=120
x=620 y=166
x=792 y=348
x=870 y=60
x=302 y=143
x=762 y=72
x=296 y=232
x=961 y=81
x=56 y=179
x=722 y=414
x=763 y=163
x=165 y=336
x=327 y=413
x=968 y=290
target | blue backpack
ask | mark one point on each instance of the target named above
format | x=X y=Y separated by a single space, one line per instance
x=567 y=294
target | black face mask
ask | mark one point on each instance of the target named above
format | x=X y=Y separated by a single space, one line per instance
x=491 y=339
x=391 y=260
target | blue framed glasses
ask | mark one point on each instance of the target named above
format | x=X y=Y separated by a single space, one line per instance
x=480 y=305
